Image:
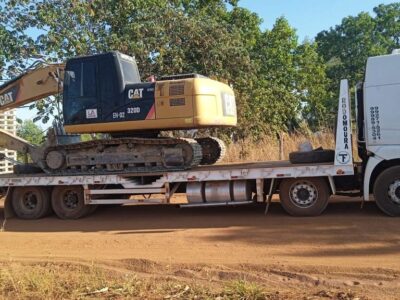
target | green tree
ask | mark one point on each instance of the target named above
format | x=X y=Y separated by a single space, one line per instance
x=166 y=37
x=346 y=47
x=16 y=47
x=31 y=132
x=311 y=85
x=278 y=82
x=388 y=24
x=276 y=56
x=290 y=84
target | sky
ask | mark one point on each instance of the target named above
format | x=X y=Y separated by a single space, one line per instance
x=308 y=16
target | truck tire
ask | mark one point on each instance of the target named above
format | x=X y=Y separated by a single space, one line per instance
x=304 y=196
x=68 y=202
x=315 y=156
x=387 y=191
x=31 y=202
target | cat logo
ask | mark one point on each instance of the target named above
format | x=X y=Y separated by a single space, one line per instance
x=6 y=98
x=135 y=93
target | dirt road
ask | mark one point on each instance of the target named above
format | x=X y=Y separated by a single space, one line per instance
x=346 y=248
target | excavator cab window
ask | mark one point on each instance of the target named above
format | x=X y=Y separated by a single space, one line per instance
x=129 y=69
x=80 y=92
x=82 y=80
x=94 y=88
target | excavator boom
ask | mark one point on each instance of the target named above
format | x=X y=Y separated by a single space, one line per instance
x=37 y=83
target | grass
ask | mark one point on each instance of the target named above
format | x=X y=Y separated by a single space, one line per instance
x=268 y=148
x=73 y=281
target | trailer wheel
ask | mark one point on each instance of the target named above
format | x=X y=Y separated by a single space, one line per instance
x=304 y=196
x=387 y=191
x=68 y=202
x=31 y=202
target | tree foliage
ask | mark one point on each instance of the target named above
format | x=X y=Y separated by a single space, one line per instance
x=279 y=83
x=31 y=132
x=346 y=47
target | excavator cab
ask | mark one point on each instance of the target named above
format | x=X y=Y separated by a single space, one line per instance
x=103 y=93
x=94 y=87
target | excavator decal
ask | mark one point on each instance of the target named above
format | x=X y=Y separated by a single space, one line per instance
x=152 y=114
x=9 y=96
x=135 y=93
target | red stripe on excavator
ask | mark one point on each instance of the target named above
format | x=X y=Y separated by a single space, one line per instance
x=151 y=114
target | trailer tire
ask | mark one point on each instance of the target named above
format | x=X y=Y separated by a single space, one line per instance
x=315 y=156
x=302 y=197
x=31 y=202
x=387 y=191
x=68 y=202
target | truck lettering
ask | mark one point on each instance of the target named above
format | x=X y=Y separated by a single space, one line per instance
x=345 y=123
x=375 y=122
x=344 y=157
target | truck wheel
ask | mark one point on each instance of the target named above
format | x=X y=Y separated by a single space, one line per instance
x=304 y=196
x=68 y=202
x=387 y=191
x=31 y=202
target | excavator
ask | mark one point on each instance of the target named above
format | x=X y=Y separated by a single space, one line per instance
x=103 y=93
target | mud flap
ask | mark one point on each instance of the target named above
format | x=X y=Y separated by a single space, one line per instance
x=8 y=211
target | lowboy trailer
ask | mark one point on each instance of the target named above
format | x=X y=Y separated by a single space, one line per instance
x=304 y=186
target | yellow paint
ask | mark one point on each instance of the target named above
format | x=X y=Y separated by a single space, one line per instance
x=201 y=105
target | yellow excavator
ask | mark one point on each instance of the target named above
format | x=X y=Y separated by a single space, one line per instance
x=103 y=93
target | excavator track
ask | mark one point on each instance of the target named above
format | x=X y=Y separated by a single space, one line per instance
x=213 y=150
x=126 y=155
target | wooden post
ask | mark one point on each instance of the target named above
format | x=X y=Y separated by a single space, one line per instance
x=281 y=148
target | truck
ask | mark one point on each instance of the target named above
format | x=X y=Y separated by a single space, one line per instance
x=305 y=183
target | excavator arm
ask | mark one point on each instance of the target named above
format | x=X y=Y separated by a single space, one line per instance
x=35 y=84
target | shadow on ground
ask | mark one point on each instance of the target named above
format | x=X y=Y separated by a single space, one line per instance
x=343 y=223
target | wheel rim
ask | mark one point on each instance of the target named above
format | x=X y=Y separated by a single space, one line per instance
x=303 y=194
x=30 y=201
x=70 y=200
x=394 y=191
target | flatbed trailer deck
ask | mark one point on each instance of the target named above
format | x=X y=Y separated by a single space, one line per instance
x=224 y=184
x=304 y=187
x=164 y=183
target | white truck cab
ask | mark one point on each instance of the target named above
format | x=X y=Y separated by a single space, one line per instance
x=378 y=123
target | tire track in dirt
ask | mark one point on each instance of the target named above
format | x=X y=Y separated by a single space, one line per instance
x=344 y=249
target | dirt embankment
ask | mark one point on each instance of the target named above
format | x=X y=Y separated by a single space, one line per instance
x=345 y=250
